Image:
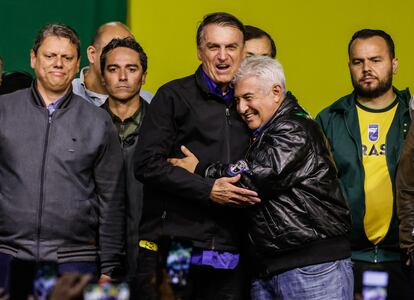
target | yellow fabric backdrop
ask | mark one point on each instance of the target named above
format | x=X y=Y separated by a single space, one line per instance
x=311 y=38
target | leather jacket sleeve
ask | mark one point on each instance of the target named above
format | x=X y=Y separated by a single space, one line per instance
x=275 y=161
x=405 y=193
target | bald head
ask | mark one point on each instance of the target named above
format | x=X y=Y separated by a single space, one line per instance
x=104 y=34
x=108 y=31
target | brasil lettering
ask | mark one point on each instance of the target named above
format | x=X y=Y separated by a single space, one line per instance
x=374 y=150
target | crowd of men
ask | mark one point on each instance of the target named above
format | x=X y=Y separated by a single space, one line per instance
x=219 y=186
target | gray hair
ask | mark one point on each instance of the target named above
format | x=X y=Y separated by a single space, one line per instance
x=268 y=70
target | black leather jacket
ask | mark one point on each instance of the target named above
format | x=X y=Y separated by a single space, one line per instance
x=303 y=218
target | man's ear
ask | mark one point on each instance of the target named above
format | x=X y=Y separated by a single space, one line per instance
x=78 y=65
x=32 y=59
x=198 y=53
x=277 y=91
x=144 y=77
x=245 y=53
x=91 y=53
x=394 y=66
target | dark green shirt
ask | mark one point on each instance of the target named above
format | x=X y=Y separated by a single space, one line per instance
x=128 y=126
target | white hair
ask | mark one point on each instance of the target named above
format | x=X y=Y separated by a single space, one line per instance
x=269 y=71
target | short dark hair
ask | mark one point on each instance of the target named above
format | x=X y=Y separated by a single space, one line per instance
x=127 y=42
x=253 y=32
x=368 y=33
x=59 y=30
x=222 y=19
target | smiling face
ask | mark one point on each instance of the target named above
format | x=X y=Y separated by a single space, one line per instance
x=55 y=65
x=371 y=67
x=221 y=52
x=123 y=74
x=256 y=104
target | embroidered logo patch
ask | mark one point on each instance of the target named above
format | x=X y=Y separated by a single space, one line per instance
x=237 y=168
x=373 y=132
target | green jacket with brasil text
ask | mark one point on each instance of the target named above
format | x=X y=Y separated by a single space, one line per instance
x=340 y=124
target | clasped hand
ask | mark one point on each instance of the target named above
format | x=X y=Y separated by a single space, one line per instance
x=224 y=190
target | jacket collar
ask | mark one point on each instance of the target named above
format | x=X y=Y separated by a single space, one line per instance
x=289 y=103
x=347 y=102
x=38 y=100
x=204 y=86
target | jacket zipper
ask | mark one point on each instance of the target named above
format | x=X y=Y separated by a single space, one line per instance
x=227 y=134
x=228 y=116
x=42 y=181
x=227 y=140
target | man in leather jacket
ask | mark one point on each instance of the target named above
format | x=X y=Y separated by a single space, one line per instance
x=298 y=234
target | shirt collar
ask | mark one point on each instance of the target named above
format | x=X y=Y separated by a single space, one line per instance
x=135 y=118
x=216 y=90
x=54 y=105
x=259 y=130
x=82 y=75
x=97 y=98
